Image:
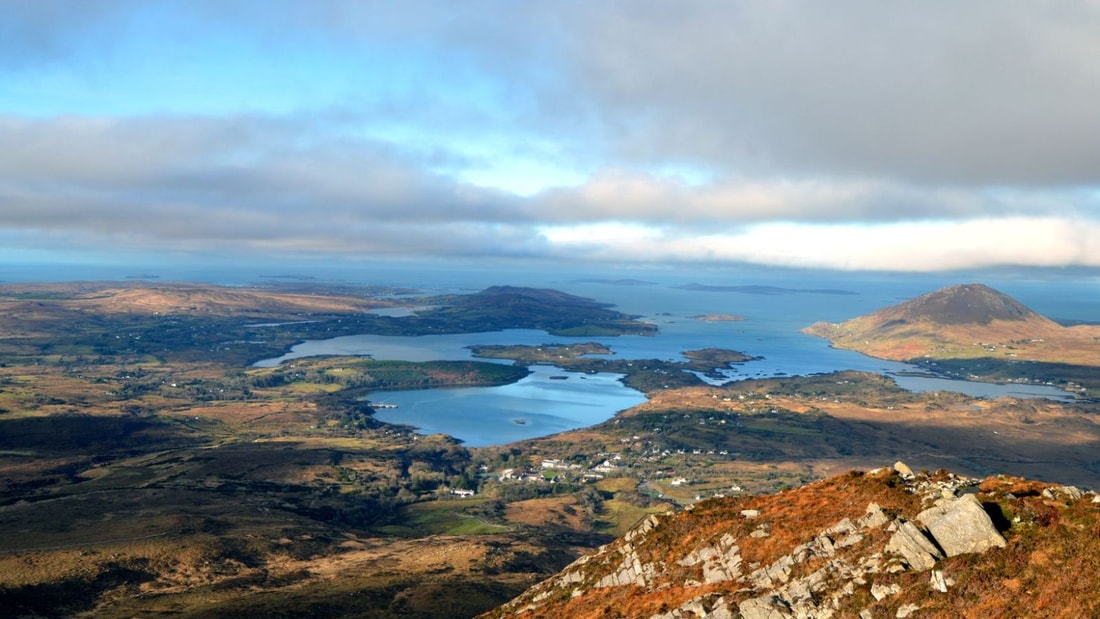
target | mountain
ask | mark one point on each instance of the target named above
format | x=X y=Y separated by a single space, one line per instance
x=886 y=543
x=963 y=322
x=516 y=307
x=974 y=304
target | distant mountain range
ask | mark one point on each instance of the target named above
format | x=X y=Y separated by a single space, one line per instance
x=967 y=321
x=888 y=543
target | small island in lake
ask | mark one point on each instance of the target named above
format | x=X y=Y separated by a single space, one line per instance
x=546 y=353
x=719 y=317
x=717 y=357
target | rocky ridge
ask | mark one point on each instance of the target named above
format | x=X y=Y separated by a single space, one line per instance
x=909 y=551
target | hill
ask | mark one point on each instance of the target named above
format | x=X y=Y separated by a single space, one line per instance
x=516 y=307
x=971 y=322
x=886 y=543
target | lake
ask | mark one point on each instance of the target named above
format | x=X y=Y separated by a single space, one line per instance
x=546 y=402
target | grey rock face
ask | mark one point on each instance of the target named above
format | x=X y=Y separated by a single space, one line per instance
x=881 y=592
x=903 y=470
x=961 y=526
x=873 y=518
x=720 y=562
x=937 y=581
x=765 y=607
x=914 y=546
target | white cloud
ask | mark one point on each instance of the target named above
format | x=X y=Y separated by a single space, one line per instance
x=895 y=246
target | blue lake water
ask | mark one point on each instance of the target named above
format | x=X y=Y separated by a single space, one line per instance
x=541 y=405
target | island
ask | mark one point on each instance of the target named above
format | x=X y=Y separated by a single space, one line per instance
x=719 y=317
x=546 y=353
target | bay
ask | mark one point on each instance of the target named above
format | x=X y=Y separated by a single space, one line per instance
x=546 y=402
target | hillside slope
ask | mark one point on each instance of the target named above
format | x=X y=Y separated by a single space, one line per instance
x=963 y=322
x=882 y=544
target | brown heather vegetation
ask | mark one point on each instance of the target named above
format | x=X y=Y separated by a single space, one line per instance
x=1046 y=570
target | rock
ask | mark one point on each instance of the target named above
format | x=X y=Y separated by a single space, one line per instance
x=907 y=610
x=961 y=526
x=881 y=592
x=720 y=563
x=750 y=513
x=765 y=607
x=903 y=470
x=1069 y=492
x=642 y=528
x=780 y=571
x=843 y=527
x=914 y=546
x=823 y=546
x=720 y=611
x=801 y=592
x=938 y=582
x=851 y=540
x=874 y=517
x=630 y=572
x=694 y=607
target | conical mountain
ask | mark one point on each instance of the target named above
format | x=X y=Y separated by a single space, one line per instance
x=963 y=321
x=973 y=304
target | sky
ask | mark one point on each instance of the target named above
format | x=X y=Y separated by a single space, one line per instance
x=852 y=135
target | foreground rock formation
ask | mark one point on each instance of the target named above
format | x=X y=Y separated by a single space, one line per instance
x=888 y=543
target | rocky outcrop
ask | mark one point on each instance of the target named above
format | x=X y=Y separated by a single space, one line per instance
x=961 y=526
x=719 y=562
x=913 y=546
x=859 y=565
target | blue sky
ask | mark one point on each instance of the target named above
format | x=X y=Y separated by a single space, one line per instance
x=860 y=135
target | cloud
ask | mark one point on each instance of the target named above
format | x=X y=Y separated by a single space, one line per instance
x=938 y=92
x=185 y=180
x=624 y=196
x=934 y=92
x=295 y=185
x=921 y=247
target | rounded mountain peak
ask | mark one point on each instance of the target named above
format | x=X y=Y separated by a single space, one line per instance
x=963 y=304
